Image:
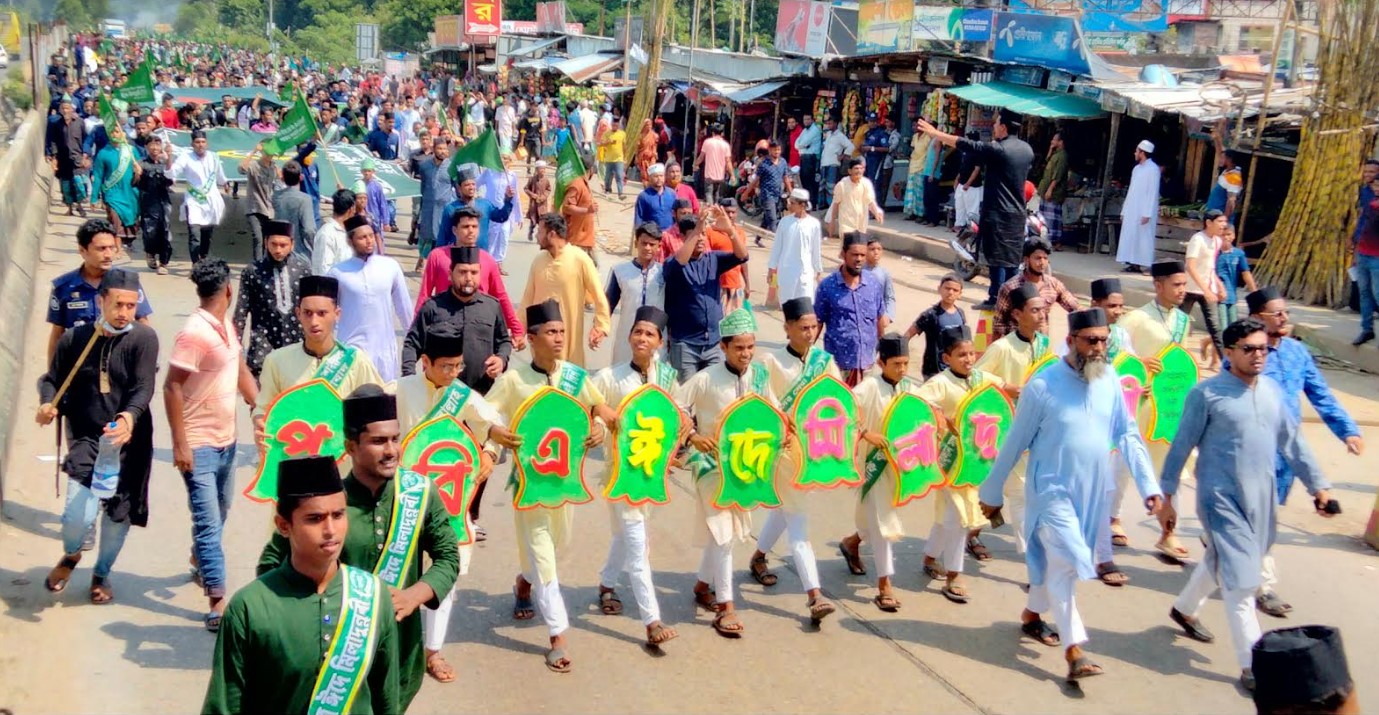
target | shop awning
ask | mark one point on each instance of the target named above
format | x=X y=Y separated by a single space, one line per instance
x=540 y=63
x=533 y=48
x=1029 y=100
x=583 y=69
x=753 y=92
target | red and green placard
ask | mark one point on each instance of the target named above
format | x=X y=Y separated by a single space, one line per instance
x=1134 y=380
x=648 y=431
x=305 y=421
x=444 y=451
x=825 y=417
x=911 y=429
x=550 y=461
x=1038 y=366
x=981 y=422
x=1168 y=390
x=750 y=436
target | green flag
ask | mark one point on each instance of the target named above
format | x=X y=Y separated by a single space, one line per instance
x=138 y=86
x=568 y=168
x=107 y=114
x=483 y=150
x=297 y=126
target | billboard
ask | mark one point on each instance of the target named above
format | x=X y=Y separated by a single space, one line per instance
x=885 y=26
x=1041 y=40
x=483 y=18
x=802 y=27
x=365 y=41
x=950 y=24
x=448 y=31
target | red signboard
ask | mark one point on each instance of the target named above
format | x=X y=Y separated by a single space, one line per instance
x=483 y=18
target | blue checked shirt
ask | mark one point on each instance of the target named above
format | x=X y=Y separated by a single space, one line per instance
x=849 y=317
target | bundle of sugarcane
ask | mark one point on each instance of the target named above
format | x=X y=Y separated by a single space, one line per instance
x=644 y=97
x=1309 y=252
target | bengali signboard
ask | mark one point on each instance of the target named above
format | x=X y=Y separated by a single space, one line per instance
x=885 y=26
x=448 y=31
x=802 y=27
x=483 y=18
x=1040 y=40
x=950 y=24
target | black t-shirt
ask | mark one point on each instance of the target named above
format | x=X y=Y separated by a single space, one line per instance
x=930 y=324
x=531 y=128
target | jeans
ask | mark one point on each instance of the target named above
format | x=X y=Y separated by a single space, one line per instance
x=770 y=211
x=255 y=221
x=79 y=515
x=1226 y=314
x=714 y=190
x=689 y=359
x=210 y=489
x=1208 y=317
x=809 y=176
x=999 y=275
x=614 y=170
x=1368 y=286
x=199 y=242
x=830 y=180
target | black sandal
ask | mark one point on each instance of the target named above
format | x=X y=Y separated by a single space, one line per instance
x=761 y=571
x=1083 y=667
x=609 y=603
x=1041 y=631
x=1108 y=576
x=522 y=609
x=853 y=560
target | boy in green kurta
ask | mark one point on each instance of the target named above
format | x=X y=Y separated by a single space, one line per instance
x=113 y=174
x=395 y=516
x=311 y=633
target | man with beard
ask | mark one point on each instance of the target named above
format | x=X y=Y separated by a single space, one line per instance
x=396 y=523
x=371 y=286
x=436 y=193
x=1066 y=417
x=204 y=208
x=436 y=279
x=1036 y=272
x=467 y=194
x=268 y=296
x=851 y=306
x=568 y=276
x=1239 y=426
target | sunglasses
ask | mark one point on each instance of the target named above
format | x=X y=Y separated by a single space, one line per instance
x=1094 y=339
x=1251 y=349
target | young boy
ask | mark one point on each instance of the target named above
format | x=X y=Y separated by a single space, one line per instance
x=1232 y=267
x=938 y=317
x=874 y=253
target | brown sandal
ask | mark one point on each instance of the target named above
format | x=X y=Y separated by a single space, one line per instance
x=609 y=603
x=886 y=602
x=728 y=625
x=819 y=609
x=706 y=600
x=62 y=573
x=439 y=668
x=101 y=592
x=660 y=633
x=761 y=571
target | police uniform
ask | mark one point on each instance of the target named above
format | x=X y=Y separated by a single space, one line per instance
x=73 y=302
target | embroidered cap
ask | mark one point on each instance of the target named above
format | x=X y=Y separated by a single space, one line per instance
x=738 y=322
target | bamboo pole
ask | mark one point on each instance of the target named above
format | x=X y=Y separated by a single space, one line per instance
x=1263 y=119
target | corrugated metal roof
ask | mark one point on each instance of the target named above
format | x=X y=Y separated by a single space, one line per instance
x=583 y=69
x=1029 y=100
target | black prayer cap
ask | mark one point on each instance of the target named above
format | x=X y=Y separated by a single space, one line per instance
x=354 y=222
x=1258 y=299
x=443 y=340
x=653 y=315
x=541 y=313
x=797 y=308
x=277 y=228
x=307 y=477
x=948 y=337
x=1022 y=295
x=466 y=210
x=680 y=204
x=1103 y=288
x=464 y=255
x=892 y=345
x=117 y=279
x=1300 y=666
x=1089 y=318
x=318 y=285
x=1167 y=268
x=366 y=405
x=853 y=238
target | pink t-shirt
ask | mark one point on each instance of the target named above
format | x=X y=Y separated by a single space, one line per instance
x=435 y=278
x=715 y=151
x=209 y=350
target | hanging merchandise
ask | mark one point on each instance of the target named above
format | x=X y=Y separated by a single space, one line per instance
x=881 y=100
x=852 y=109
x=825 y=105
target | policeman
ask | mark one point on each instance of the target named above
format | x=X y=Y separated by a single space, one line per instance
x=73 y=300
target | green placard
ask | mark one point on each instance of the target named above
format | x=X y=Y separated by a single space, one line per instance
x=825 y=416
x=550 y=461
x=749 y=445
x=911 y=429
x=981 y=420
x=305 y=421
x=1168 y=390
x=444 y=451
x=1134 y=381
x=1039 y=366
x=648 y=430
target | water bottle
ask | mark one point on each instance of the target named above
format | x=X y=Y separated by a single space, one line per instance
x=106 y=474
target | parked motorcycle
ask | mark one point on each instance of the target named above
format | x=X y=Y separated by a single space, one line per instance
x=964 y=244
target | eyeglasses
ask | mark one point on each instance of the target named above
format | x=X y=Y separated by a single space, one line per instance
x=1277 y=313
x=1094 y=339
x=1251 y=349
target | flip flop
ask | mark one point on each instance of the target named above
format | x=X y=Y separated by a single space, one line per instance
x=955 y=593
x=761 y=572
x=728 y=625
x=1041 y=631
x=660 y=633
x=1083 y=667
x=819 y=609
x=609 y=603
x=522 y=609
x=439 y=668
x=1177 y=555
x=62 y=573
x=1118 y=536
x=932 y=571
x=854 y=561
x=212 y=621
x=101 y=592
x=1273 y=605
x=886 y=602
x=1108 y=576
x=554 y=657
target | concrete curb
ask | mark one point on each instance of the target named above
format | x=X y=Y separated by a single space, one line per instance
x=25 y=187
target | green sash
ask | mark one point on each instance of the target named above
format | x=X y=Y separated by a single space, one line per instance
x=760 y=379
x=876 y=462
x=411 y=492
x=1180 y=324
x=451 y=402
x=126 y=159
x=336 y=366
x=352 y=648
x=663 y=375
x=202 y=195
x=702 y=465
x=815 y=363
x=1041 y=347
x=571 y=380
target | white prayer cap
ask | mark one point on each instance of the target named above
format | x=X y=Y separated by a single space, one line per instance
x=799 y=195
x=656 y=170
x=540 y=164
x=1145 y=146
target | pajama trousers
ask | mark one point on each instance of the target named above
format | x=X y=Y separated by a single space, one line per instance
x=1056 y=593
x=780 y=521
x=628 y=553
x=1239 y=603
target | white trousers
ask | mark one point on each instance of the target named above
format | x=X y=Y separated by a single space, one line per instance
x=966 y=204
x=1014 y=511
x=1239 y=603
x=948 y=540
x=1117 y=496
x=627 y=553
x=435 y=624
x=882 y=549
x=780 y=521
x=1056 y=594
x=716 y=569
x=1269 y=575
x=546 y=596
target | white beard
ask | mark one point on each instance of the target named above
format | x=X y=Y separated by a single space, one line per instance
x=1093 y=370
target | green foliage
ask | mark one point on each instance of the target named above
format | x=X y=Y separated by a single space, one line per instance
x=403 y=24
x=18 y=91
x=74 y=12
x=329 y=41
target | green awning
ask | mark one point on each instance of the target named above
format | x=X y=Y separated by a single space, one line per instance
x=1029 y=100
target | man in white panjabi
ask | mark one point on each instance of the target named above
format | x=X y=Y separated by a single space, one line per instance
x=634 y=284
x=204 y=207
x=1140 y=212
x=796 y=260
x=371 y=286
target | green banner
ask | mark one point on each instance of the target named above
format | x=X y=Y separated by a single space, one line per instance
x=297 y=127
x=444 y=451
x=214 y=95
x=825 y=421
x=750 y=436
x=1039 y=366
x=339 y=165
x=550 y=461
x=1168 y=390
x=107 y=114
x=138 y=86
x=648 y=430
x=305 y=421
x=1134 y=381
x=568 y=168
x=911 y=429
x=981 y=422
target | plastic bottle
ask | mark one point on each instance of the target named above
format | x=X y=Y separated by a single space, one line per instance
x=106 y=474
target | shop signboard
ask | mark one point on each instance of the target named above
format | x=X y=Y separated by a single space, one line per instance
x=1137 y=16
x=1028 y=76
x=1059 y=81
x=1040 y=40
x=802 y=28
x=885 y=26
x=448 y=31
x=483 y=18
x=950 y=24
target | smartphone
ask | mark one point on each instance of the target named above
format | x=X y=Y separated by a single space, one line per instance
x=997 y=521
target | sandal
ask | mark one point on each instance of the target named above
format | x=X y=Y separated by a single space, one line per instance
x=437 y=667
x=853 y=559
x=977 y=549
x=955 y=592
x=761 y=571
x=660 y=633
x=212 y=621
x=557 y=661
x=1041 y=631
x=728 y=625
x=932 y=570
x=196 y=572
x=61 y=574
x=1082 y=667
x=522 y=607
x=610 y=603
x=706 y=600
x=1118 y=535
x=101 y=592
x=1171 y=550
x=819 y=609
x=886 y=602
x=1273 y=605
x=1111 y=575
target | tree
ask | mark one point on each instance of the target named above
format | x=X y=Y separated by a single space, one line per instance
x=74 y=12
x=403 y=24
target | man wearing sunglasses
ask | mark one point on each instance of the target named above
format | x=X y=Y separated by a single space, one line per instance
x=1291 y=365
x=1237 y=422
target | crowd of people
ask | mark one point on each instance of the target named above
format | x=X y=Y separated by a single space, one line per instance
x=378 y=546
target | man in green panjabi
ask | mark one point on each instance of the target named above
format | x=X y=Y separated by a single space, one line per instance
x=311 y=632
x=395 y=516
x=113 y=174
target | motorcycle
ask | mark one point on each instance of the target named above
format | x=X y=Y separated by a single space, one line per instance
x=964 y=244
